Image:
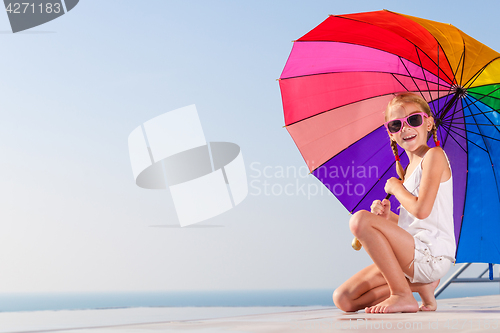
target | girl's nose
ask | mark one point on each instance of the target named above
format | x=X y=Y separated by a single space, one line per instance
x=404 y=125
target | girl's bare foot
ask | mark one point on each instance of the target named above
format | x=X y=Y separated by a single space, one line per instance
x=426 y=293
x=395 y=303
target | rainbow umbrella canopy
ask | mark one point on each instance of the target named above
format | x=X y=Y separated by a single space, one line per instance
x=336 y=85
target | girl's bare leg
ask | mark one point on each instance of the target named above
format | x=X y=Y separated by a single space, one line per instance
x=426 y=292
x=368 y=287
x=365 y=288
x=392 y=250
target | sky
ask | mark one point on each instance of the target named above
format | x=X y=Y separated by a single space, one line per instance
x=73 y=89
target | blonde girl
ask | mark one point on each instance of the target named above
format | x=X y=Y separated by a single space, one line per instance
x=413 y=250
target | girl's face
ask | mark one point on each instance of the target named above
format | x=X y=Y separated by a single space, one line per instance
x=409 y=138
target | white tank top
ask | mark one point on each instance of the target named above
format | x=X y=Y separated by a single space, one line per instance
x=437 y=230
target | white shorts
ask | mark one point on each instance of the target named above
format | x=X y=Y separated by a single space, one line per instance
x=426 y=267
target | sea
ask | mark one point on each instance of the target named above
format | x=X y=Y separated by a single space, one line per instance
x=20 y=302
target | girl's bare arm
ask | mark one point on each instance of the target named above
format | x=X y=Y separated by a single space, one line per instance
x=433 y=167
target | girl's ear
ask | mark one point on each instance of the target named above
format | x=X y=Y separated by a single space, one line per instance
x=430 y=123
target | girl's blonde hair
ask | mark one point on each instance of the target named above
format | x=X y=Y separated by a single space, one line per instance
x=407 y=98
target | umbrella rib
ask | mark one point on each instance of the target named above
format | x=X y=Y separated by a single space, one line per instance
x=394 y=76
x=452 y=80
x=375 y=184
x=469 y=83
x=343 y=150
x=479 y=73
x=442 y=85
x=463 y=64
x=484 y=114
x=473 y=103
x=409 y=41
x=380 y=72
x=472 y=114
x=447 y=106
x=481 y=111
x=423 y=73
x=484 y=96
x=484 y=85
x=472 y=132
x=451 y=136
x=463 y=137
x=452 y=113
x=335 y=108
x=469 y=131
x=361 y=100
x=458 y=66
x=447 y=133
x=409 y=74
x=477 y=114
x=461 y=147
x=439 y=113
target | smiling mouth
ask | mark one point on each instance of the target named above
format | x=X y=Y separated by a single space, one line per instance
x=409 y=137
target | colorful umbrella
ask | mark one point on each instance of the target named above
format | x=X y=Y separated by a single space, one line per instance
x=335 y=87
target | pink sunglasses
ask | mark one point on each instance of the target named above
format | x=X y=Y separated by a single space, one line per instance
x=413 y=120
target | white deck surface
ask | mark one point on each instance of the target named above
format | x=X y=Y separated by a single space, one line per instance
x=471 y=314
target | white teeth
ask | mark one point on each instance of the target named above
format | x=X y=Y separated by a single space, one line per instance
x=409 y=137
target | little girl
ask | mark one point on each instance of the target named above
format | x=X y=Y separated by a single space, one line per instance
x=412 y=251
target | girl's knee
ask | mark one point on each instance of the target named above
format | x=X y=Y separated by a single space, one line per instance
x=338 y=297
x=359 y=221
x=342 y=301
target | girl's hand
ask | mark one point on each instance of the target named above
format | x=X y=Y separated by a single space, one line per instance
x=382 y=208
x=392 y=184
